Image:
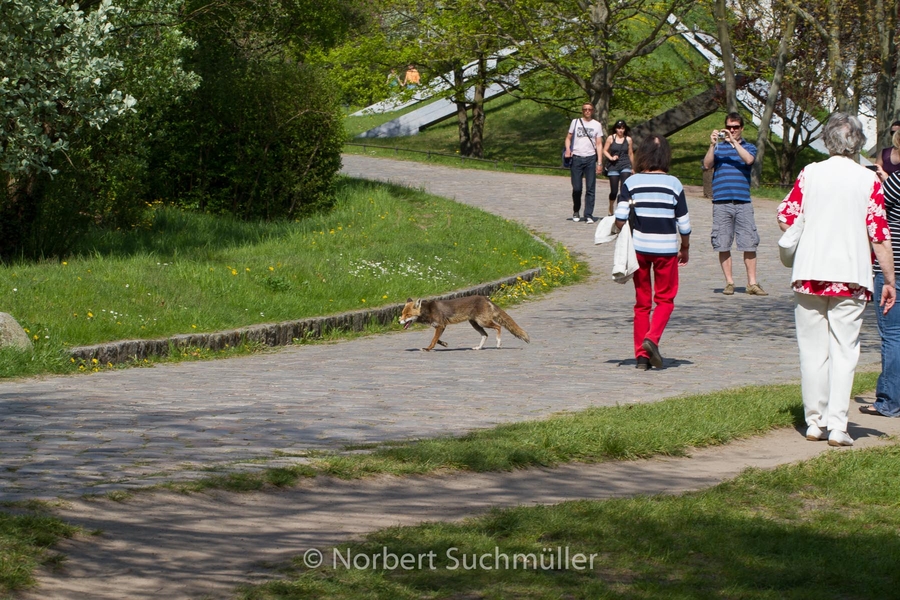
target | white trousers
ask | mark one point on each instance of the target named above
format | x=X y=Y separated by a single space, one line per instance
x=828 y=338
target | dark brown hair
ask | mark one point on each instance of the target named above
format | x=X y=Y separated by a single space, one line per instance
x=733 y=116
x=653 y=154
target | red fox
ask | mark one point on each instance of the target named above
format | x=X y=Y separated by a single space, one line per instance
x=479 y=311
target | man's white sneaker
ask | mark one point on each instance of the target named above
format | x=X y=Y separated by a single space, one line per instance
x=588 y=220
x=814 y=433
x=576 y=217
x=839 y=438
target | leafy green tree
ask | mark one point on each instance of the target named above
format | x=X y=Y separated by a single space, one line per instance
x=594 y=44
x=261 y=136
x=69 y=72
x=453 y=47
x=56 y=61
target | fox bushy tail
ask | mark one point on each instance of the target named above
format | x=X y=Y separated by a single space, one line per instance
x=504 y=319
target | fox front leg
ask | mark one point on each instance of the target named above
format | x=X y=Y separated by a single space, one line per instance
x=438 y=330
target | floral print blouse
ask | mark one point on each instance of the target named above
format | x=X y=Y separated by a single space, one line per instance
x=876 y=224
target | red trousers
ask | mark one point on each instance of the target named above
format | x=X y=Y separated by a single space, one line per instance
x=661 y=290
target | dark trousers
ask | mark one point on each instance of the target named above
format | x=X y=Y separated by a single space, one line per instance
x=584 y=167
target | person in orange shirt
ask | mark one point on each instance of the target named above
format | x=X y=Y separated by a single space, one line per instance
x=412 y=76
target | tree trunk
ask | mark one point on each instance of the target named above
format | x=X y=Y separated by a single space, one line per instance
x=18 y=214
x=790 y=147
x=727 y=56
x=600 y=94
x=462 y=113
x=839 y=77
x=478 y=109
x=774 y=90
x=887 y=100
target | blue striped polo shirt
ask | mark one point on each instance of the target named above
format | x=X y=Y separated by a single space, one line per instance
x=661 y=210
x=731 y=175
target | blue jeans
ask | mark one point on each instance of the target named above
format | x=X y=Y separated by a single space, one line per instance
x=888 y=391
x=584 y=166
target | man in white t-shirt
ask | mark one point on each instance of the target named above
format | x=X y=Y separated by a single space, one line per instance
x=583 y=144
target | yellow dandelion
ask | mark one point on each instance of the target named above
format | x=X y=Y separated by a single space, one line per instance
x=90 y=315
x=271 y=268
x=94 y=361
x=233 y=272
x=193 y=327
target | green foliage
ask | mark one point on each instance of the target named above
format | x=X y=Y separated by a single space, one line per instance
x=261 y=136
x=360 y=69
x=56 y=61
x=79 y=88
x=257 y=140
x=96 y=97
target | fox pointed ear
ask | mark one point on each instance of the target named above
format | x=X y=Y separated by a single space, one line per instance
x=418 y=303
x=408 y=300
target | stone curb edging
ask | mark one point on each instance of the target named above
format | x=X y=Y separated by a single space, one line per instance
x=271 y=334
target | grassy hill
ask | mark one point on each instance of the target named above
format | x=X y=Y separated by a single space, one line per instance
x=522 y=135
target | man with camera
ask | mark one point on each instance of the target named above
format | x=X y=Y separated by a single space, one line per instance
x=731 y=159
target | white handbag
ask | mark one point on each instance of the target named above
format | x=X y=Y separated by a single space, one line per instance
x=787 y=245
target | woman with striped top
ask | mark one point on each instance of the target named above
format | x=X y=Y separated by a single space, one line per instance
x=887 y=393
x=661 y=216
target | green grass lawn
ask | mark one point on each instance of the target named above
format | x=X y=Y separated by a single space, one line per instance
x=184 y=273
x=821 y=529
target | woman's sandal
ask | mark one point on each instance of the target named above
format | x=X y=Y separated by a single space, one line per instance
x=868 y=409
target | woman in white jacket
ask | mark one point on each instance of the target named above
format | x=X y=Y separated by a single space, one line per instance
x=843 y=211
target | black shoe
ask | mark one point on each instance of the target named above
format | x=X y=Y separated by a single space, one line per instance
x=655 y=357
x=643 y=363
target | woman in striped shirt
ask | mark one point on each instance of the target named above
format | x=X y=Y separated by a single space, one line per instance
x=887 y=393
x=661 y=215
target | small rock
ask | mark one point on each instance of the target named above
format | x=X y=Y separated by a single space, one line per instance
x=12 y=334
